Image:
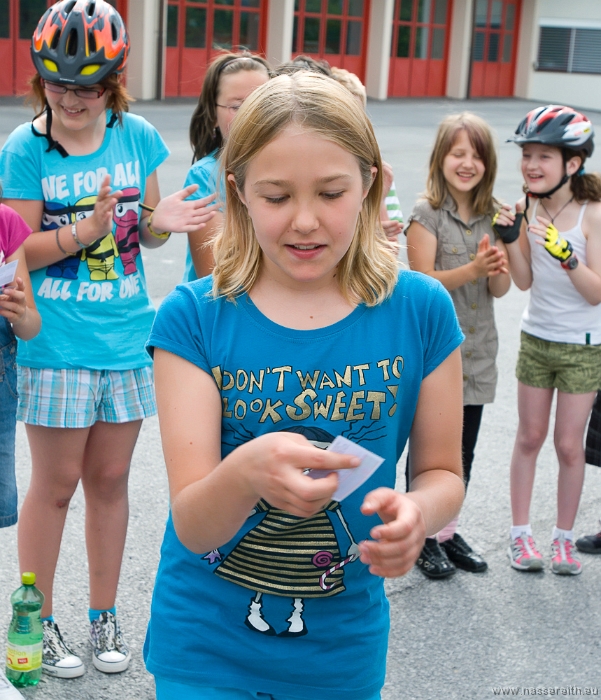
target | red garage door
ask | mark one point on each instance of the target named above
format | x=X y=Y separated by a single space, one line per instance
x=18 y=20
x=335 y=30
x=420 y=43
x=196 y=31
x=494 y=47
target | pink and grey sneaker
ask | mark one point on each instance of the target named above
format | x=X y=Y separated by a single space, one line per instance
x=524 y=555
x=563 y=560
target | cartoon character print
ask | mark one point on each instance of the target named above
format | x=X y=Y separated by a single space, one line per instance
x=99 y=255
x=54 y=216
x=126 y=220
x=286 y=555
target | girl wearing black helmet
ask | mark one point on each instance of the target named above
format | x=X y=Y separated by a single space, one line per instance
x=86 y=381
x=558 y=257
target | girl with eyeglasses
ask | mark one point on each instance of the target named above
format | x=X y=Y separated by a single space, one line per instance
x=229 y=80
x=85 y=382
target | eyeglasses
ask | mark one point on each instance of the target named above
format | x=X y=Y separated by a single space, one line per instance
x=84 y=93
x=232 y=109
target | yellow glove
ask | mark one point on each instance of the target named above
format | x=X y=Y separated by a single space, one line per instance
x=557 y=246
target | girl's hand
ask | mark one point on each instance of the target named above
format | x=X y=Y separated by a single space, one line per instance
x=178 y=214
x=397 y=543
x=507 y=225
x=102 y=218
x=489 y=261
x=13 y=304
x=392 y=228
x=551 y=239
x=504 y=217
x=276 y=466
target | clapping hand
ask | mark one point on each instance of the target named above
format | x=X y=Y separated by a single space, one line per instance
x=182 y=215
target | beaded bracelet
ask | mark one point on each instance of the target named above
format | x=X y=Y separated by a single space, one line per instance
x=60 y=247
x=161 y=236
x=76 y=237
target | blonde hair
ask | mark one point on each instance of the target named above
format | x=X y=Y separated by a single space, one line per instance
x=352 y=83
x=368 y=271
x=482 y=140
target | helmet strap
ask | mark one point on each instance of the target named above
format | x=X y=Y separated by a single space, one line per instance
x=52 y=144
x=545 y=195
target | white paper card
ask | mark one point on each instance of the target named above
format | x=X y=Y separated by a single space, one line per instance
x=8 y=272
x=350 y=479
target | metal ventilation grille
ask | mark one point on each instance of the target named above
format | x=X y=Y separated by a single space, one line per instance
x=569 y=50
x=587 y=51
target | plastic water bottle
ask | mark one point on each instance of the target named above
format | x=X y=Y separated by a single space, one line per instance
x=25 y=634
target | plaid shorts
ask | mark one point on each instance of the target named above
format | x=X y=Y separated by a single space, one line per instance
x=77 y=398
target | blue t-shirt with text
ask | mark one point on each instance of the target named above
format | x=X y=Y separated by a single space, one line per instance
x=286 y=607
x=96 y=313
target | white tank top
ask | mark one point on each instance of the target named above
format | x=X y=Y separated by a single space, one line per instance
x=557 y=311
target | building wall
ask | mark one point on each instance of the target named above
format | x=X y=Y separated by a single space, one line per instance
x=144 y=56
x=458 y=67
x=575 y=89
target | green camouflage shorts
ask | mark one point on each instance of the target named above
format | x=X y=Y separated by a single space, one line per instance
x=567 y=367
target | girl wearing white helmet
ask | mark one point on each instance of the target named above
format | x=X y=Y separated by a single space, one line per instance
x=557 y=256
x=85 y=382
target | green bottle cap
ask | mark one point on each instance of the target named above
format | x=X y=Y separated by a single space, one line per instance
x=28 y=578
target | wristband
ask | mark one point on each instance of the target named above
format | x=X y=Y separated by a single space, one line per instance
x=60 y=247
x=571 y=263
x=557 y=246
x=75 y=236
x=161 y=236
x=508 y=234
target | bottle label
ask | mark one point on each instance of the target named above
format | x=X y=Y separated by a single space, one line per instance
x=24 y=658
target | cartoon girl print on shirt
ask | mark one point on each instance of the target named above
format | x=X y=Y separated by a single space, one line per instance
x=101 y=254
x=286 y=555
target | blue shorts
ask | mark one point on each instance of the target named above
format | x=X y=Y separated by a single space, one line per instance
x=8 y=411
x=77 y=398
x=171 y=690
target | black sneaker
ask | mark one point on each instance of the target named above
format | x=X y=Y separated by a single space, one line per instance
x=463 y=556
x=591 y=544
x=433 y=560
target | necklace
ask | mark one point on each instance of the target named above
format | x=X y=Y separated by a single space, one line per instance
x=570 y=200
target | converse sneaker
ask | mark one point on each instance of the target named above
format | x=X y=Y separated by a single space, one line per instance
x=110 y=654
x=563 y=560
x=8 y=690
x=57 y=659
x=524 y=555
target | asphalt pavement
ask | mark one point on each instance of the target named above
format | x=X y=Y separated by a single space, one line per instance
x=472 y=636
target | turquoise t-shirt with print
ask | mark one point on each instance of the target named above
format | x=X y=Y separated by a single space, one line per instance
x=96 y=313
x=286 y=607
x=205 y=174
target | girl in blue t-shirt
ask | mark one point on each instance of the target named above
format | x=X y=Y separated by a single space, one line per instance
x=85 y=382
x=270 y=582
x=229 y=80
